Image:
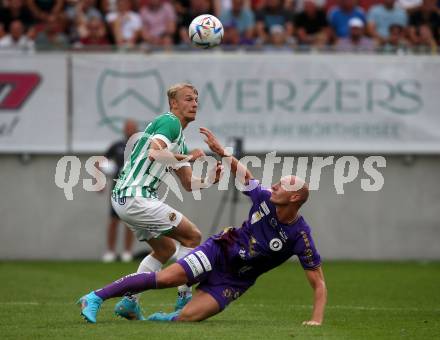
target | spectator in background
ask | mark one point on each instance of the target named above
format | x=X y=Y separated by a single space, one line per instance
x=340 y=15
x=78 y=17
x=16 y=40
x=257 y=5
x=231 y=38
x=15 y=10
x=242 y=19
x=396 y=42
x=125 y=24
x=115 y=155
x=96 y=33
x=220 y=6
x=356 y=41
x=425 y=24
x=426 y=42
x=382 y=16
x=2 y=30
x=181 y=7
x=196 y=8
x=278 y=40
x=300 y=4
x=52 y=36
x=273 y=13
x=311 y=25
x=107 y=6
x=158 y=23
x=45 y=11
x=409 y=5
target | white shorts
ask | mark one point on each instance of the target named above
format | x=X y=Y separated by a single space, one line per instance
x=147 y=217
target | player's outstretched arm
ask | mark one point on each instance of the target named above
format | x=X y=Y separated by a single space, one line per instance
x=316 y=280
x=190 y=182
x=159 y=151
x=238 y=169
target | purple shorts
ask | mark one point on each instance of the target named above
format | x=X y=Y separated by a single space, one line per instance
x=207 y=266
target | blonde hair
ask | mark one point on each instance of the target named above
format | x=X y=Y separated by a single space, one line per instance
x=174 y=89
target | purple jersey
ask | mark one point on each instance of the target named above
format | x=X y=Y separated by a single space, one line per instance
x=263 y=242
x=228 y=263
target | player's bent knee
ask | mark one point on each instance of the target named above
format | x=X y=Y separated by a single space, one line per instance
x=197 y=238
x=163 y=248
x=194 y=240
x=165 y=252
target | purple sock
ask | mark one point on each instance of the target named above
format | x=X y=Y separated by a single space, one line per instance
x=128 y=285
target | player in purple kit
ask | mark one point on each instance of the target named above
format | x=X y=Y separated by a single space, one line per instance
x=228 y=264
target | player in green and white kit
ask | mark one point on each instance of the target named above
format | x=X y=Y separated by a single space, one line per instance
x=135 y=197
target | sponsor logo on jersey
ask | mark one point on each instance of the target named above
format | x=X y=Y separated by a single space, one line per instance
x=194 y=264
x=275 y=244
x=227 y=293
x=305 y=238
x=308 y=252
x=265 y=208
x=205 y=261
x=256 y=216
x=283 y=235
x=231 y=294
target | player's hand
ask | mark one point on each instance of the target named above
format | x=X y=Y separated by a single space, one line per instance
x=311 y=323
x=197 y=153
x=212 y=142
x=216 y=173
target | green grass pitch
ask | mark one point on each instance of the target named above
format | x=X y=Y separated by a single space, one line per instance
x=366 y=300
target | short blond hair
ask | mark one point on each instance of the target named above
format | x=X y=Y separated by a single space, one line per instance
x=174 y=89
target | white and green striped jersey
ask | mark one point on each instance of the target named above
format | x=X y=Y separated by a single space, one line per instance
x=141 y=176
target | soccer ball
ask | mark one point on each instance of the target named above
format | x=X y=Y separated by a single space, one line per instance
x=206 y=31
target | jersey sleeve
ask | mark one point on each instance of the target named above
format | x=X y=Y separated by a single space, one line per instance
x=306 y=251
x=256 y=192
x=183 y=151
x=167 y=129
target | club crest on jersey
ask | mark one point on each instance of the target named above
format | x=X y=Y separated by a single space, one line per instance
x=172 y=216
x=273 y=222
x=275 y=244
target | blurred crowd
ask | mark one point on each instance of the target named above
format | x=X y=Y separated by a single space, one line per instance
x=389 y=26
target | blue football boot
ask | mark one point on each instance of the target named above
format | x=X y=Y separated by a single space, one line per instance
x=90 y=305
x=161 y=316
x=182 y=301
x=129 y=309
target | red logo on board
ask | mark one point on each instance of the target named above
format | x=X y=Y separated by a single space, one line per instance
x=16 y=89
